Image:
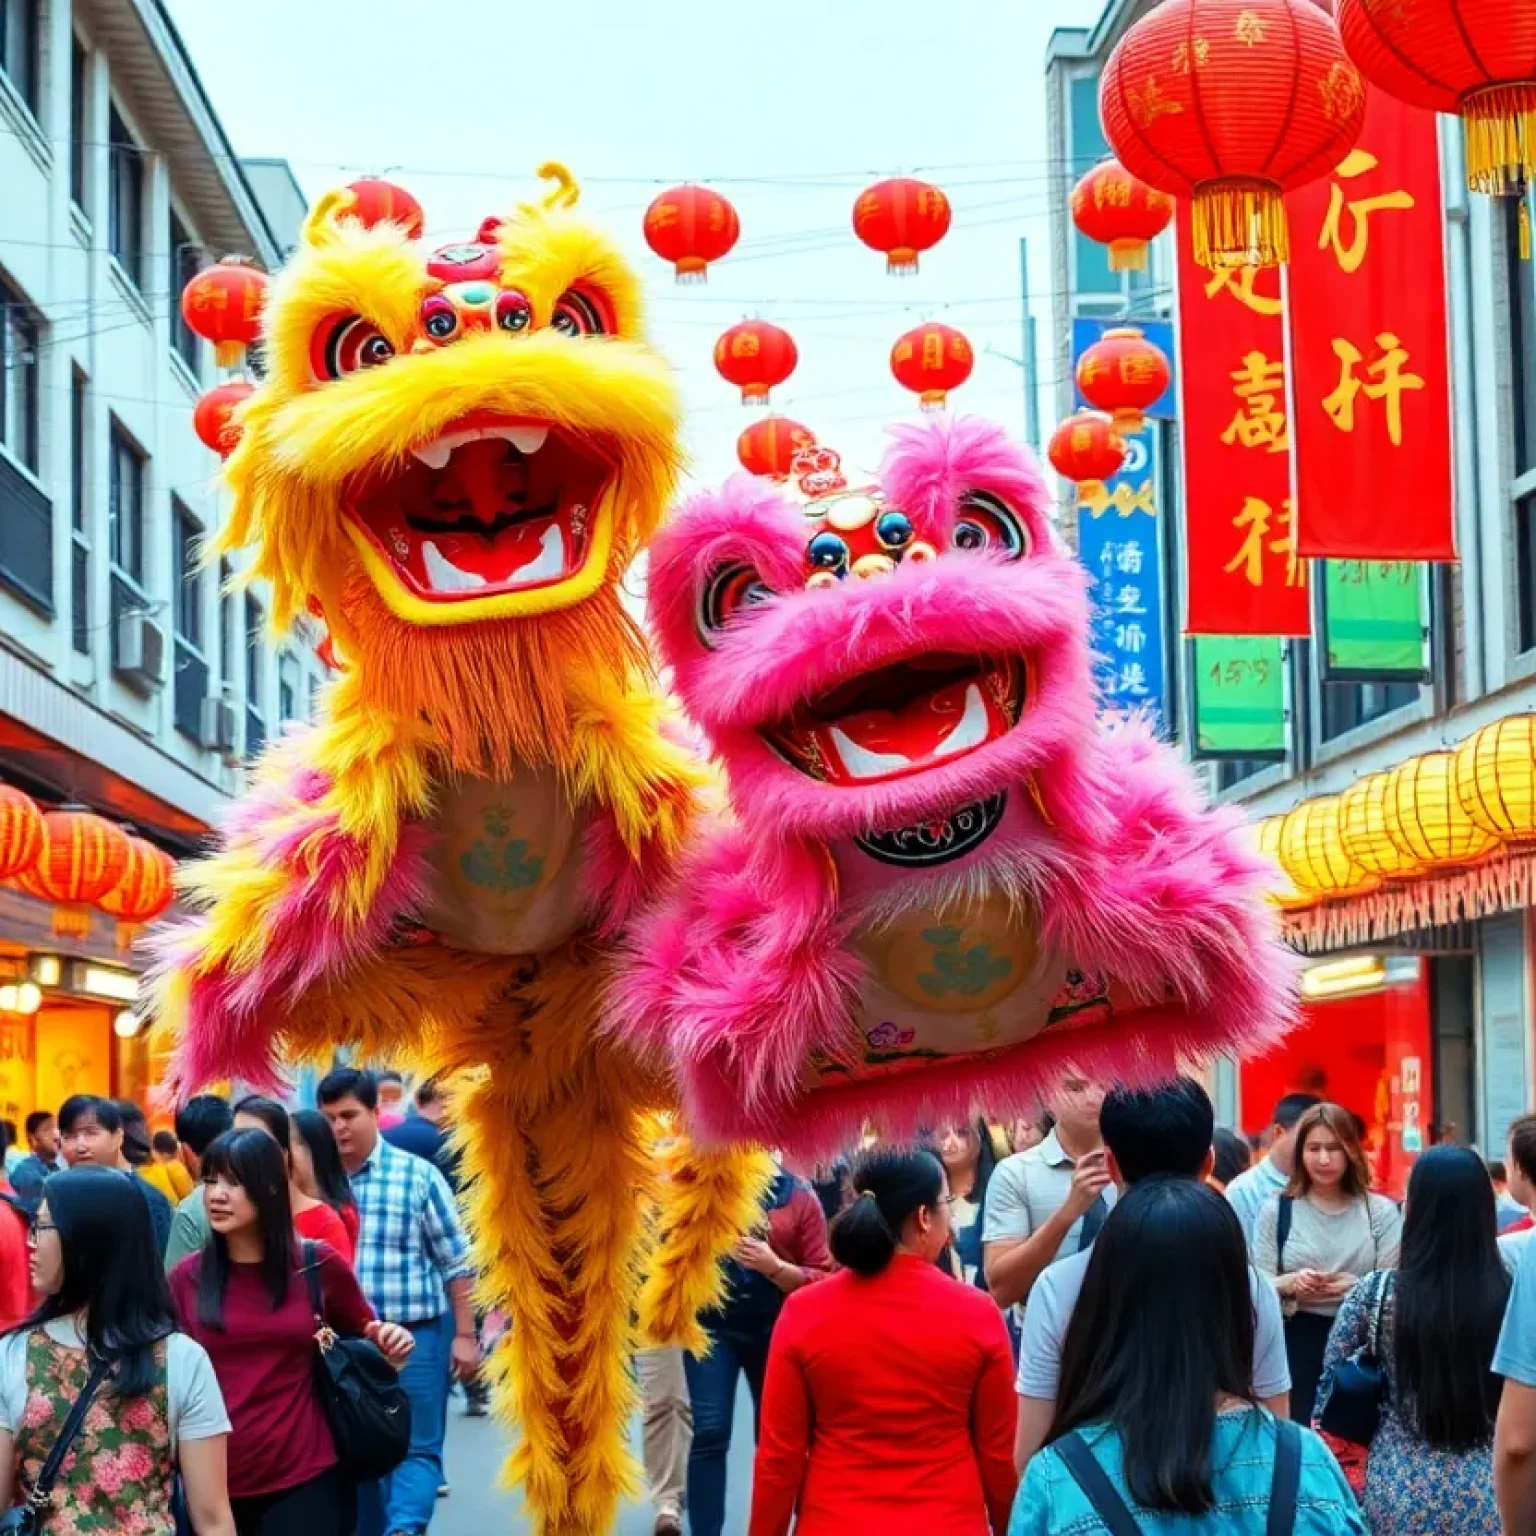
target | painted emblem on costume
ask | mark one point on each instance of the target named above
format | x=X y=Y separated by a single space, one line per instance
x=937 y=842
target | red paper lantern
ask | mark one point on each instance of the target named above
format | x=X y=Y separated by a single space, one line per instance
x=1232 y=106
x=21 y=832
x=1123 y=373
x=754 y=356
x=83 y=857
x=1476 y=58
x=1087 y=450
x=223 y=305
x=768 y=447
x=931 y=361
x=690 y=227
x=145 y=890
x=901 y=218
x=1113 y=207
x=213 y=417
x=376 y=201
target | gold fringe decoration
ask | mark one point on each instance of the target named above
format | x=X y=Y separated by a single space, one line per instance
x=1240 y=224
x=1501 y=137
x=1525 y=230
x=1127 y=255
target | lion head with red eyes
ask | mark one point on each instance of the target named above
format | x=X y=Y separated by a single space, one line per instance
x=456 y=451
x=865 y=658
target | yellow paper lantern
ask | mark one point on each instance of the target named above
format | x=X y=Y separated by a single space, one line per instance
x=1363 y=831
x=1312 y=852
x=1282 y=889
x=1425 y=816
x=1496 y=778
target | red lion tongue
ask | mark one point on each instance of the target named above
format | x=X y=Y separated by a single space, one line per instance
x=914 y=731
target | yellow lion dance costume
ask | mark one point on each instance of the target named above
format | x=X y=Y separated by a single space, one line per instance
x=453 y=458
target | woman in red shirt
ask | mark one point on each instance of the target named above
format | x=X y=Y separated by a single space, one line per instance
x=312 y=1219
x=245 y=1299
x=889 y=1403
x=317 y=1170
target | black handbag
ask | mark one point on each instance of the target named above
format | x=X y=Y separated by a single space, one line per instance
x=26 y=1518
x=1353 y=1390
x=365 y=1405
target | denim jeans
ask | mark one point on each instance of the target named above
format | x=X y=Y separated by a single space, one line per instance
x=712 y=1391
x=404 y=1501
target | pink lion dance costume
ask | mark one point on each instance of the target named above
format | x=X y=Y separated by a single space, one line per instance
x=944 y=884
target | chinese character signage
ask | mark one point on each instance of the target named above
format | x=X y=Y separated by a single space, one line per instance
x=1086 y=332
x=1239 y=698
x=1118 y=540
x=1369 y=350
x=1374 y=625
x=1245 y=574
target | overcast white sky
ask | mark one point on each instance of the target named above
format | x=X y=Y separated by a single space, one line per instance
x=789 y=108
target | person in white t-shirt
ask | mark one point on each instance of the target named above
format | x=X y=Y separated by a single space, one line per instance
x=157 y=1412
x=1269 y=1176
x=1166 y=1133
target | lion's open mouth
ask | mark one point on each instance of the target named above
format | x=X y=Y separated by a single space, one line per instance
x=490 y=506
x=903 y=719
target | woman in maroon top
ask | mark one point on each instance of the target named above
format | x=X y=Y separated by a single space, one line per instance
x=245 y=1299
x=313 y=1218
x=889 y=1404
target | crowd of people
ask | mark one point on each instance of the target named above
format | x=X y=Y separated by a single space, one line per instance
x=1105 y=1318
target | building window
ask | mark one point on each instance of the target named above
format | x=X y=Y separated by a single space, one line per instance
x=79 y=119
x=19 y=396
x=186 y=260
x=125 y=214
x=229 y=640
x=189 y=576
x=1348 y=705
x=125 y=506
x=19 y=47
x=80 y=544
x=255 y=719
x=288 y=685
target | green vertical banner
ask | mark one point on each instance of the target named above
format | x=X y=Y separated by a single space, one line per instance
x=1374 y=627
x=1239 y=698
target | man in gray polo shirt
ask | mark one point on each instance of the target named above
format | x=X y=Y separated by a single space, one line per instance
x=1046 y=1202
x=1164 y=1133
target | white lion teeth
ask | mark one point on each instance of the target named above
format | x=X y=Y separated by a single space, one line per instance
x=972 y=729
x=436 y=454
x=443 y=575
x=526 y=440
x=969 y=732
x=550 y=564
x=863 y=764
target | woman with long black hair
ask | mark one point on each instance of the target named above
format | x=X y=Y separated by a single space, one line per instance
x=246 y=1299
x=317 y=1169
x=156 y=1412
x=1436 y=1322
x=1155 y=1417
x=313 y=1217
x=965 y=1148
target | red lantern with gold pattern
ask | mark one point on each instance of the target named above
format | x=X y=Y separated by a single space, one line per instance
x=213 y=417
x=1118 y=210
x=931 y=361
x=755 y=356
x=144 y=891
x=768 y=447
x=901 y=218
x=1232 y=105
x=21 y=832
x=1123 y=373
x=1474 y=58
x=83 y=857
x=1087 y=450
x=376 y=201
x=223 y=305
x=690 y=227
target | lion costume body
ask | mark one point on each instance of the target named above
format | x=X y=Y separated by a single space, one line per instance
x=452 y=459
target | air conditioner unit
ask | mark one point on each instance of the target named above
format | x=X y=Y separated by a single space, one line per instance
x=218 y=725
x=139 y=657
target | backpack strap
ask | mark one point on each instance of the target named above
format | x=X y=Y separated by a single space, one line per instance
x=1282 y=1231
x=312 y=1277
x=1097 y=1488
x=1286 y=1486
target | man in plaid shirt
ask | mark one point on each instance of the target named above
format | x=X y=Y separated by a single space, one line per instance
x=413 y=1265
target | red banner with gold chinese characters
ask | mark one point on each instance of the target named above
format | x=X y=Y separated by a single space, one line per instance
x=1370 y=358
x=1244 y=576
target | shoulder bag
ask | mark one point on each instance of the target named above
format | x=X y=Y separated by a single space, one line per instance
x=1118 y=1520
x=26 y=1518
x=1353 y=1390
x=365 y=1405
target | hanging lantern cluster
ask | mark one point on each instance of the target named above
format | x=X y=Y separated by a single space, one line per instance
x=1087 y=449
x=1366 y=835
x=1312 y=851
x=1123 y=374
x=930 y=361
x=222 y=304
x=755 y=356
x=215 y=417
x=901 y=218
x=691 y=227
x=768 y=447
x=1119 y=210
x=1232 y=106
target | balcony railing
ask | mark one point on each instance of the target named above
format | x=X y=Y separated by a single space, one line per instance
x=26 y=539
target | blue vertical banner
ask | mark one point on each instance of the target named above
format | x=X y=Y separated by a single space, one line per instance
x=1119 y=541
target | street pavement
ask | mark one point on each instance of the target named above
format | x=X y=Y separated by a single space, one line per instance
x=477 y=1507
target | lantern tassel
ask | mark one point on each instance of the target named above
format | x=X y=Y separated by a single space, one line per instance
x=1127 y=255
x=1240 y=224
x=1501 y=137
x=902 y=262
x=229 y=353
x=691 y=269
x=1525 y=230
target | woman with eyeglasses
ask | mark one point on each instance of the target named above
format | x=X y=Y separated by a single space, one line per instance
x=889 y=1404
x=157 y=1410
